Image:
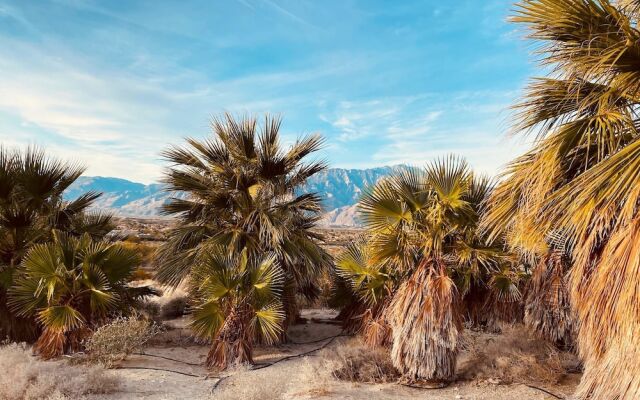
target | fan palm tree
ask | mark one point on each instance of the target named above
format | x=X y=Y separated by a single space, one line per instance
x=422 y=238
x=69 y=285
x=237 y=303
x=240 y=192
x=31 y=205
x=581 y=180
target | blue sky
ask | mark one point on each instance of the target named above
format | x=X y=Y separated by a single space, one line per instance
x=112 y=83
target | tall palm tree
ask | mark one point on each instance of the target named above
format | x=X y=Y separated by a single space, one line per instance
x=239 y=192
x=70 y=285
x=421 y=258
x=31 y=205
x=581 y=180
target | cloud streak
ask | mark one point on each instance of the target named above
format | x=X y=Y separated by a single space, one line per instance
x=111 y=85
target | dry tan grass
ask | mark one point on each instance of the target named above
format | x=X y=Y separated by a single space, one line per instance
x=354 y=361
x=24 y=377
x=516 y=355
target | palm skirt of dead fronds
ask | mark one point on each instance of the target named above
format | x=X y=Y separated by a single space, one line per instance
x=425 y=324
x=548 y=309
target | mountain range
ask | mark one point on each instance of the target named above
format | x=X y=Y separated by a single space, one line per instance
x=340 y=189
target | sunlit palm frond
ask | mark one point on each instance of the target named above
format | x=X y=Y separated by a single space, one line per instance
x=69 y=284
x=357 y=267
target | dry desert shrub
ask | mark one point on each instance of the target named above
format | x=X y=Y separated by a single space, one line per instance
x=515 y=355
x=114 y=341
x=354 y=361
x=24 y=377
x=174 y=307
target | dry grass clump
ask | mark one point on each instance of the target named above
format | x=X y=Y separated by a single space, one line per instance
x=242 y=384
x=113 y=342
x=24 y=377
x=354 y=361
x=516 y=355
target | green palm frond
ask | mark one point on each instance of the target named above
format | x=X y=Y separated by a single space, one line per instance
x=207 y=319
x=267 y=278
x=357 y=267
x=381 y=207
x=450 y=179
x=61 y=318
x=267 y=322
x=32 y=207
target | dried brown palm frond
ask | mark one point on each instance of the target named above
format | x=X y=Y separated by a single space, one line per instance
x=586 y=119
x=425 y=324
x=548 y=308
x=376 y=331
x=607 y=303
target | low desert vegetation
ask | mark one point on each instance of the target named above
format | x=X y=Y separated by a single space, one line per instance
x=354 y=361
x=121 y=337
x=71 y=285
x=25 y=377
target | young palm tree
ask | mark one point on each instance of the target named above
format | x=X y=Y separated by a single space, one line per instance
x=70 y=285
x=581 y=181
x=242 y=195
x=238 y=303
x=422 y=235
x=31 y=205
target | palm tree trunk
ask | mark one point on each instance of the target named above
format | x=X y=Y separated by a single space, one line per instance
x=605 y=293
x=425 y=323
x=233 y=345
x=548 y=309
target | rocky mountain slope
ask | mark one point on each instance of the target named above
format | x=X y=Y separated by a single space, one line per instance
x=340 y=189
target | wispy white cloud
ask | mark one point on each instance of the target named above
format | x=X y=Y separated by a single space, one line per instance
x=417 y=129
x=118 y=121
x=111 y=84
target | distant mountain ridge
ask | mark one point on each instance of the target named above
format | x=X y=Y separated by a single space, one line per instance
x=340 y=189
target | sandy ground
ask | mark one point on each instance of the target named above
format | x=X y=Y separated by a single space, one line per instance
x=297 y=378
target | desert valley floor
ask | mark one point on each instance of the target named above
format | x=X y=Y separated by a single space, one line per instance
x=179 y=374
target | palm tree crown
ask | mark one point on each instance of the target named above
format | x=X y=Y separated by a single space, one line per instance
x=31 y=206
x=238 y=193
x=71 y=284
